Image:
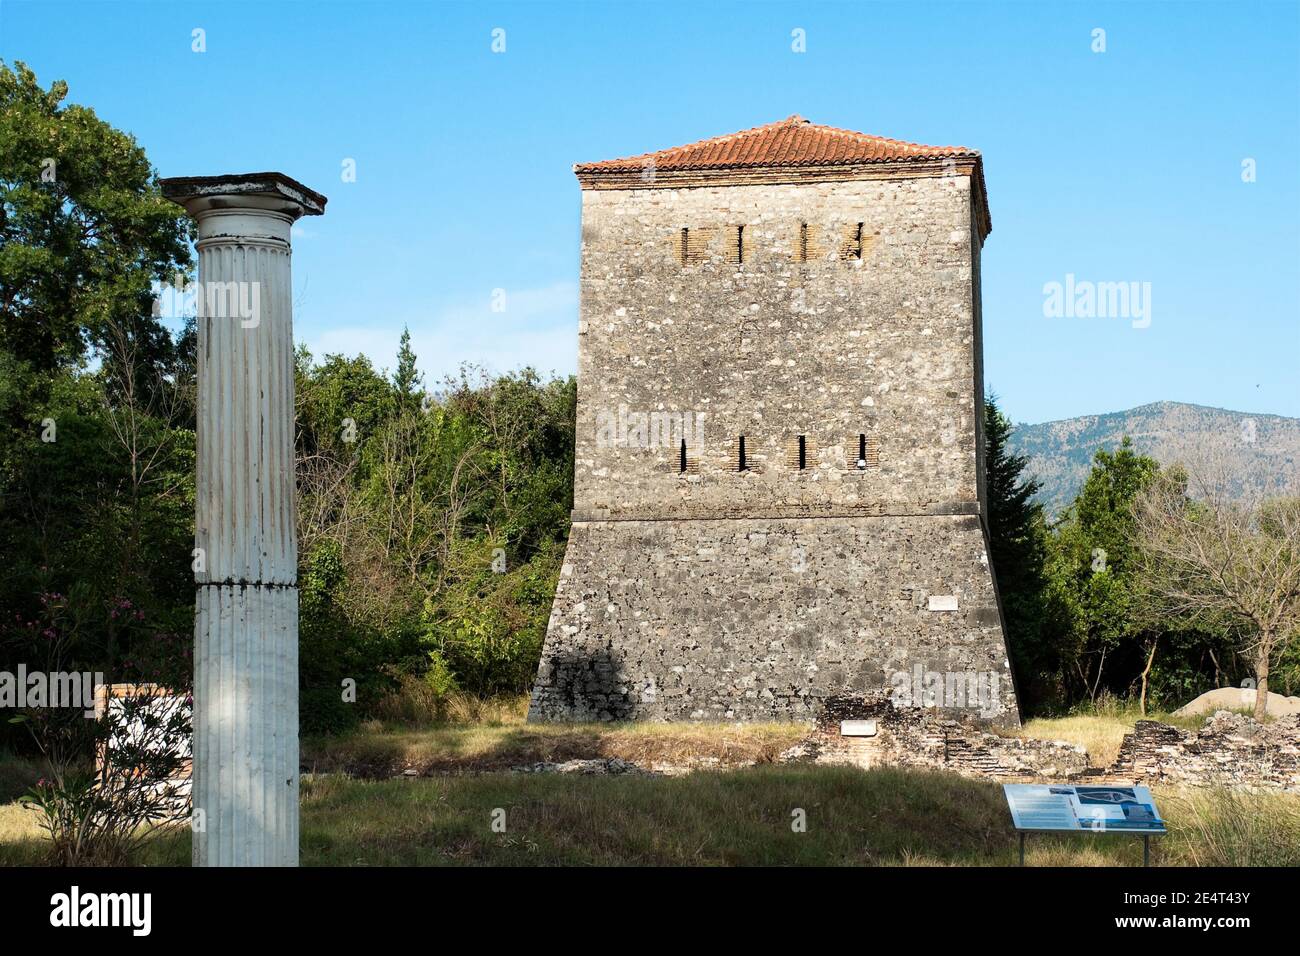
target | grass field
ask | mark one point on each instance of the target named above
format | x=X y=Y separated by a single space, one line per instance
x=355 y=814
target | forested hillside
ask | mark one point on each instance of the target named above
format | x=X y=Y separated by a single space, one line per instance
x=1262 y=450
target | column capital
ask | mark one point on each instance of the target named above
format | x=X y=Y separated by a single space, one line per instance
x=238 y=207
x=271 y=191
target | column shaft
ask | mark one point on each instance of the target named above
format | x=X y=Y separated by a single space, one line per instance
x=246 y=608
x=246 y=614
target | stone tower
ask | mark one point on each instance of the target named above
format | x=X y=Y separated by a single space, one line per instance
x=778 y=490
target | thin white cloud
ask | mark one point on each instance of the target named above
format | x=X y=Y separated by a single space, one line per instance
x=537 y=327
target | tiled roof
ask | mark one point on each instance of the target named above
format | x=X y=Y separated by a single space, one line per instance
x=792 y=142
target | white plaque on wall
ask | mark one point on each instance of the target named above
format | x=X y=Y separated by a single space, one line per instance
x=857 y=728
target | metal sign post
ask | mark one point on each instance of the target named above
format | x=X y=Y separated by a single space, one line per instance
x=1051 y=808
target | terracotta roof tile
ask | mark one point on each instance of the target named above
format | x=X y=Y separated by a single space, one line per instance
x=793 y=141
x=777 y=149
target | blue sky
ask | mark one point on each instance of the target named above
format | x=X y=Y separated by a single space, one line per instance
x=1122 y=166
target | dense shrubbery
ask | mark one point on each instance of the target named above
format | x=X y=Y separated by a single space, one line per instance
x=432 y=529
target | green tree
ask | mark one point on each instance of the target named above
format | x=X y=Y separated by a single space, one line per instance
x=1090 y=568
x=84 y=233
x=406 y=380
x=1018 y=546
x=341 y=403
x=96 y=465
x=84 y=230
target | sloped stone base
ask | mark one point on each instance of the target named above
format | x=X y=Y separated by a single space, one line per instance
x=763 y=619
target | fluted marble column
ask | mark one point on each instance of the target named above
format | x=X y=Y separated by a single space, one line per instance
x=246 y=571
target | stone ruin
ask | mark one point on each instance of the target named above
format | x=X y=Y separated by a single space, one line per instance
x=871 y=732
x=1230 y=750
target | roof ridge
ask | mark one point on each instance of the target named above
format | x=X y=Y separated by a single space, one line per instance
x=725 y=137
x=856 y=134
x=792 y=141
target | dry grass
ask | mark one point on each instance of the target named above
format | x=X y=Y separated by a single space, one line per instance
x=1233 y=828
x=416 y=704
x=493 y=735
x=17 y=824
x=1098 y=734
x=885 y=817
x=378 y=751
x=22 y=842
x=1101 y=730
x=738 y=815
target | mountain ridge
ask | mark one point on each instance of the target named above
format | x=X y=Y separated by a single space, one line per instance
x=1262 y=448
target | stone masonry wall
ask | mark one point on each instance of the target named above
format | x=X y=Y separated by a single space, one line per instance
x=774 y=348
x=928 y=740
x=1230 y=750
x=764 y=619
x=712 y=592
